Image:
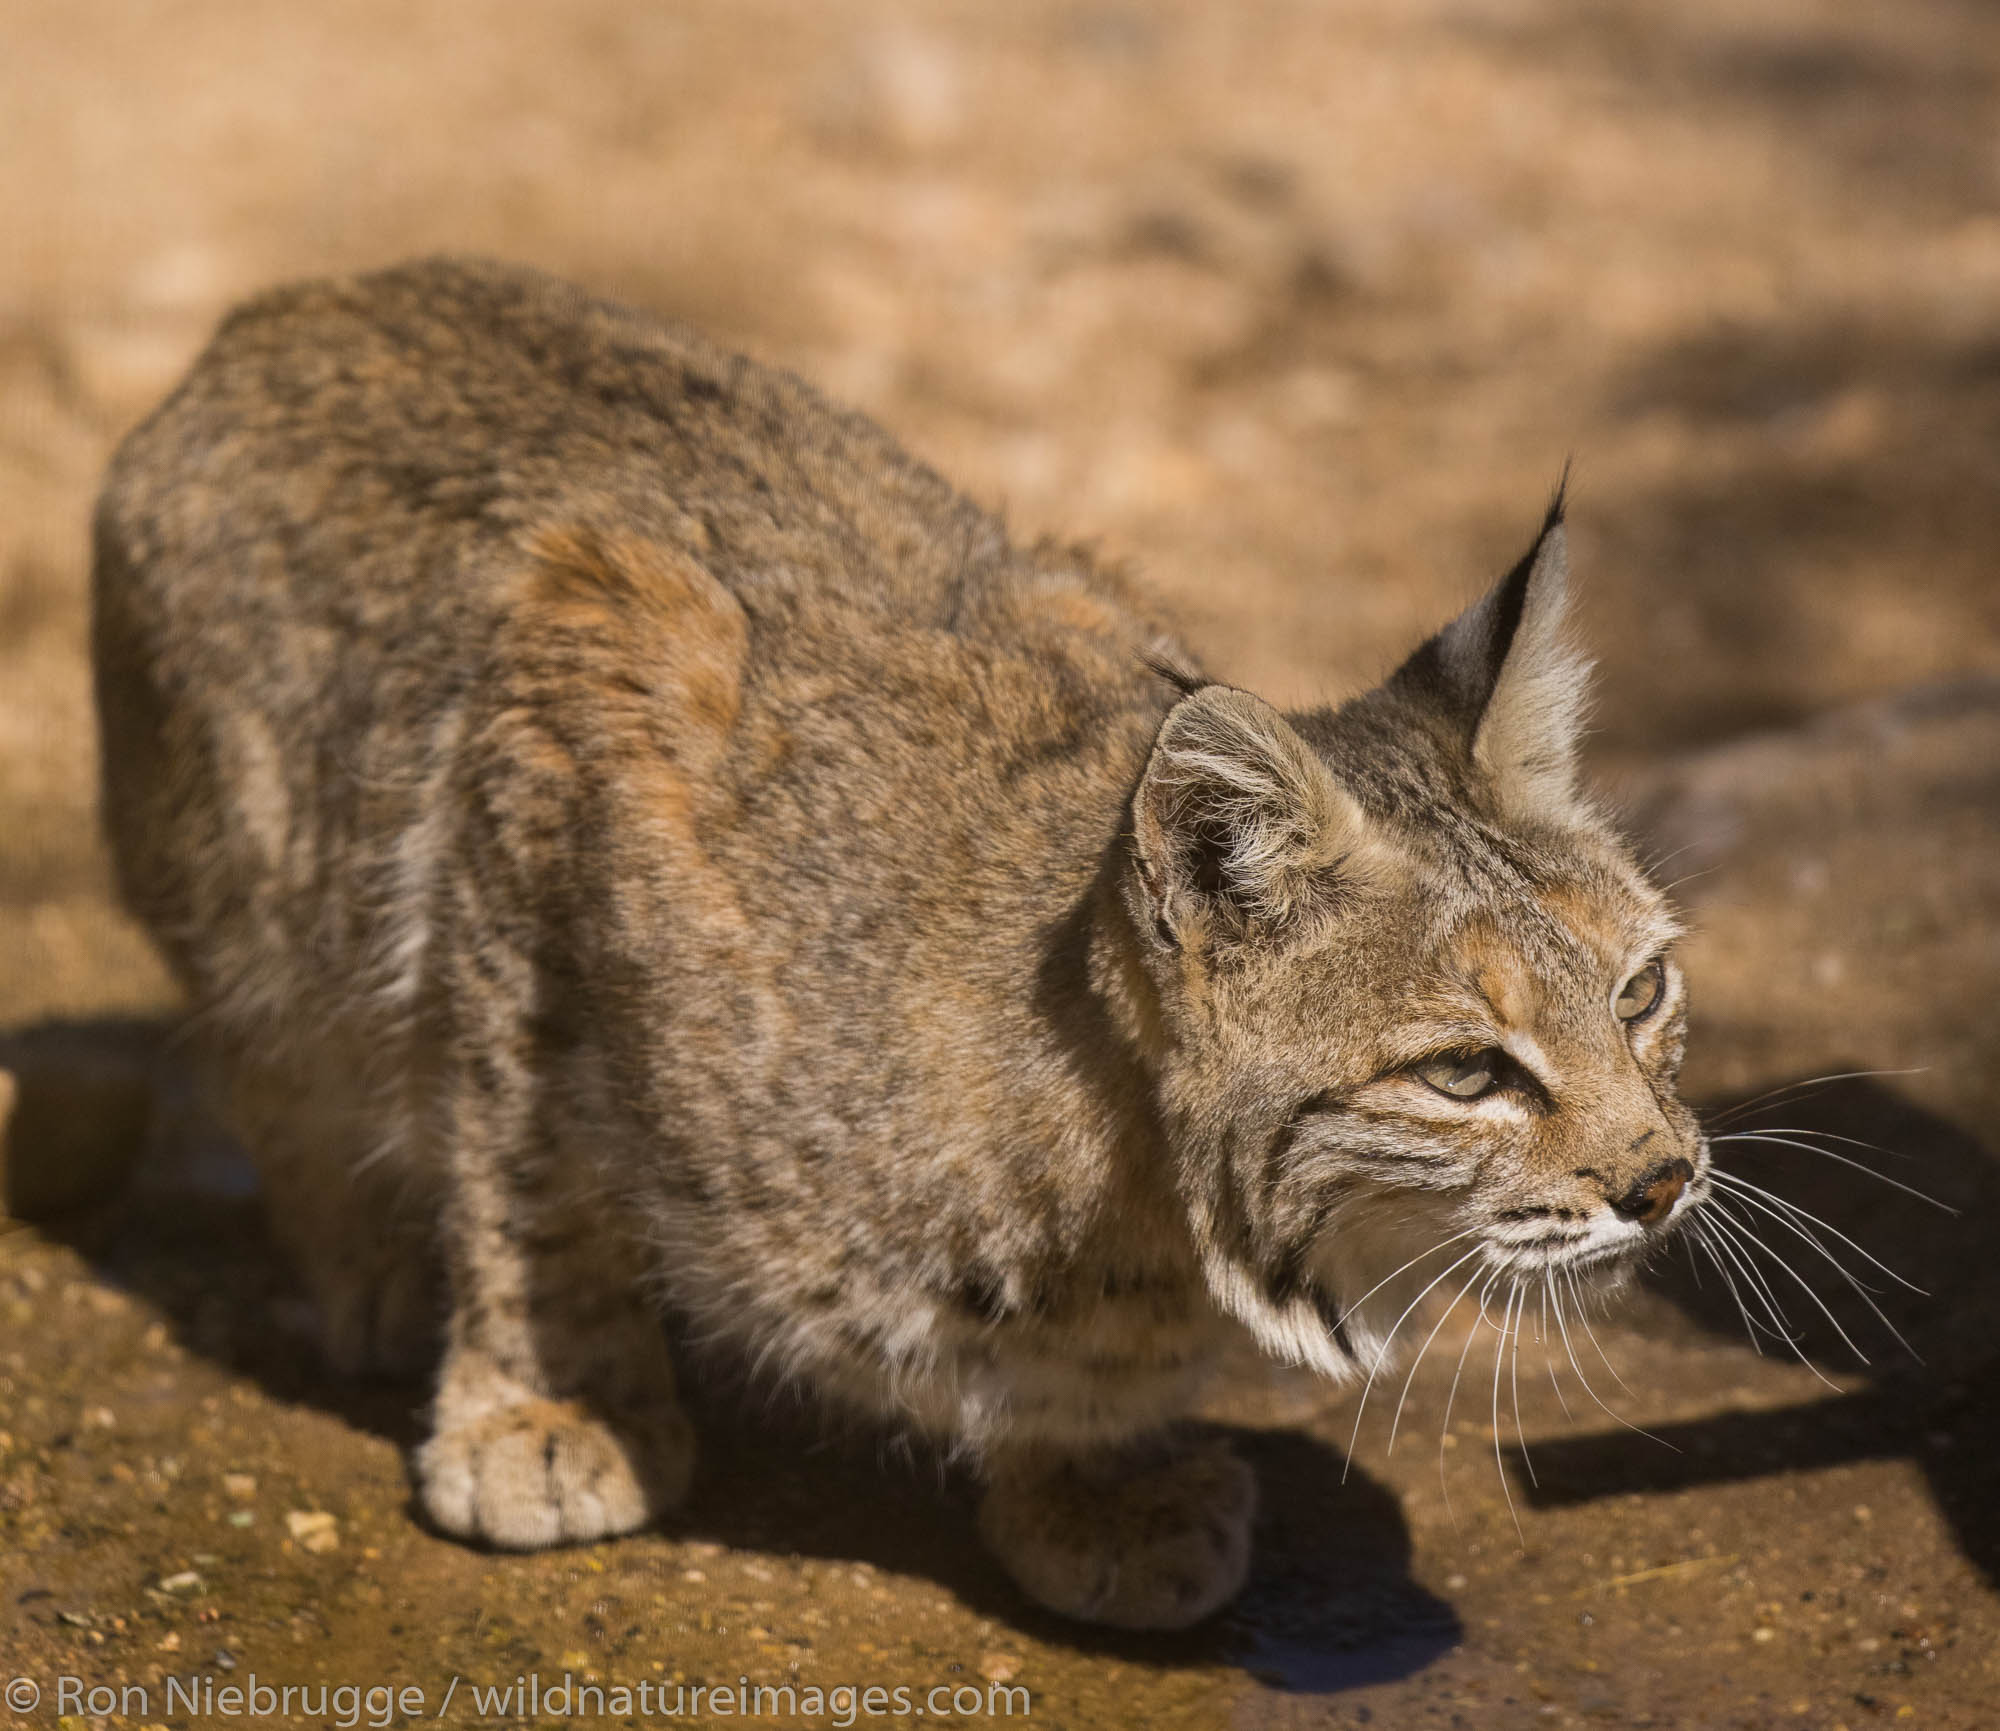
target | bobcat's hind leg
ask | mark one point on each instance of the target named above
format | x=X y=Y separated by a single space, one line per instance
x=358 y=1221
x=556 y=1420
x=1153 y=1537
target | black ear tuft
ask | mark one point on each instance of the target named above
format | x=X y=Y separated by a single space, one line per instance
x=1183 y=679
x=1552 y=518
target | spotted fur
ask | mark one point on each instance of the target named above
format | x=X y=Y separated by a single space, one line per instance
x=634 y=840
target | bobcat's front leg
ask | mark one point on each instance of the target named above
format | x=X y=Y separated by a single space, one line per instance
x=555 y=1420
x=1150 y=1537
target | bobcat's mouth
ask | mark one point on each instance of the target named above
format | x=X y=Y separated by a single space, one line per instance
x=1608 y=1238
x=1603 y=1243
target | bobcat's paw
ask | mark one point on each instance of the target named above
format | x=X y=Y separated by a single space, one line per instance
x=385 y=1322
x=1156 y=1547
x=545 y=1472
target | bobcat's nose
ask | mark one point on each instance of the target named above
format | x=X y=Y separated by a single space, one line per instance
x=1651 y=1199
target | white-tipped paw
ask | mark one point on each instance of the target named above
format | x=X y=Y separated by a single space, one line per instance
x=1156 y=1547
x=546 y=1472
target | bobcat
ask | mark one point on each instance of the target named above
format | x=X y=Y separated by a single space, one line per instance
x=633 y=841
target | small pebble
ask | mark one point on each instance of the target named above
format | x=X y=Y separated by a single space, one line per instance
x=999 y=1667
x=317 y=1531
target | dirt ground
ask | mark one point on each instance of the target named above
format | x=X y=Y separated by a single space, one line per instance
x=1301 y=309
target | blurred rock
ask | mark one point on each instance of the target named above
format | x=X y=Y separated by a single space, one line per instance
x=1844 y=880
x=1931 y=753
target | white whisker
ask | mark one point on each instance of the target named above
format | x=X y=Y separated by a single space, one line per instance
x=1569 y=1351
x=1583 y=1316
x=1698 y=1235
x=1417 y=1363
x=1841 y=1268
x=1548 y=1358
x=1514 y=1377
x=1808 y=1130
x=1654 y=866
x=1694 y=1267
x=1801 y=1089
x=1739 y=1183
x=1443 y=1244
x=1499 y=1464
x=1729 y=1243
x=1382 y=1354
x=1444 y=1425
x=1720 y=1210
x=1844 y=1159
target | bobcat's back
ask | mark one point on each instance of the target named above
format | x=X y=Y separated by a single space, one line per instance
x=373 y=499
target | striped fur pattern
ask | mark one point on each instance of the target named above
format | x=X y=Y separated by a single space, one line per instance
x=634 y=841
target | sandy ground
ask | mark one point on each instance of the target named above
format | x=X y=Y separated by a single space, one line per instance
x=1300 y=308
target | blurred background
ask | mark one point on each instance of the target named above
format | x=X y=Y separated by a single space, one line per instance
x=1300 y=308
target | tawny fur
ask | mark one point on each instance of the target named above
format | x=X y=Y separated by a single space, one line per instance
x=634 y=840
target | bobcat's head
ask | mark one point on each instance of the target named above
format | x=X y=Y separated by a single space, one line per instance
x=1415 y=997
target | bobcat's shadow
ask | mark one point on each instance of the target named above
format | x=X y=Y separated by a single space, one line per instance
x=172 y=1215
x=1940 y=1410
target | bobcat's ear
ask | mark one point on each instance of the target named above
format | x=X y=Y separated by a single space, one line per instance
x=1503 y=673
x=1240 y=828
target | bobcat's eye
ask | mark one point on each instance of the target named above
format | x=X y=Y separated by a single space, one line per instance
x=1637 y=997
x=1462 y=1075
